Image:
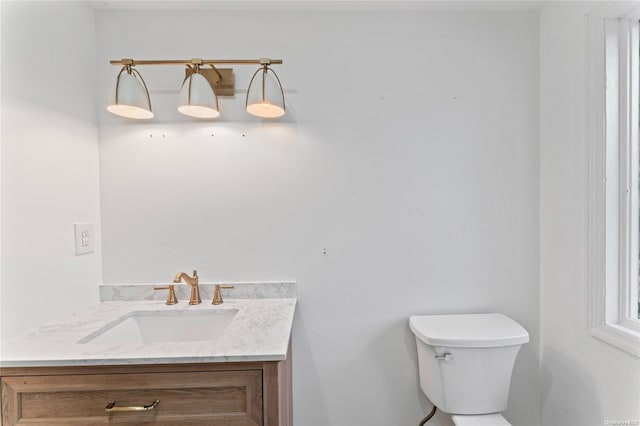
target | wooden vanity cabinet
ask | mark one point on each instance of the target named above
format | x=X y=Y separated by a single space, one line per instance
x=215 y=394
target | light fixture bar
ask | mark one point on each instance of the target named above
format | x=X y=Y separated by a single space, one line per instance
x=133 y=62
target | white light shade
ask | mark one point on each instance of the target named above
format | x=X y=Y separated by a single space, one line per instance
x=197 y=98
x=131 y=98
x=265 y=97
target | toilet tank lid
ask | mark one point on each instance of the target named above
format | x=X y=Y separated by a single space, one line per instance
x=468 y=330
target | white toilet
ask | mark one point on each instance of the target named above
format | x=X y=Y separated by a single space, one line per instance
x=465 y=363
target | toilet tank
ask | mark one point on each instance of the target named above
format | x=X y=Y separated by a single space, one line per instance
x=465 y=361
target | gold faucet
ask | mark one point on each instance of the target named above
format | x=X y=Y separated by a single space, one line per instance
x=193 y=283
x=171 y=298
x=217 y=294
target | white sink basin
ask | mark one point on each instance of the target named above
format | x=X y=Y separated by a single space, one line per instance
x=143 y=327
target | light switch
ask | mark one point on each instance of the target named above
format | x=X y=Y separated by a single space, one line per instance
x=84 y=237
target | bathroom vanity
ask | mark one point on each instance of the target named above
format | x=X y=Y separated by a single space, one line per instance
x=102 y=366
x=224 y=394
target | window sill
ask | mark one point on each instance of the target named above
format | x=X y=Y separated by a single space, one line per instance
x=621 y=337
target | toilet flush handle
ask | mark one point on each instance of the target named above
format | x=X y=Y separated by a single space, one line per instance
x=445 y=357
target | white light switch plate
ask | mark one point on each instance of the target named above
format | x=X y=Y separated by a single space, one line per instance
x=84 y=237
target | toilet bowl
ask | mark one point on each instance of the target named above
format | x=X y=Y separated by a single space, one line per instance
x=465 y=364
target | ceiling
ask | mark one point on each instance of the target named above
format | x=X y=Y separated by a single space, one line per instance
x=317 y=5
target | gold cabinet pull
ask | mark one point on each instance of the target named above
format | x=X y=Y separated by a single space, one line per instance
x=111 y=407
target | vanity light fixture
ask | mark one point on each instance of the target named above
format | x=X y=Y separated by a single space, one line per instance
x=131 y=96
x=266 y=98
x=197 y=96
x=201 y=87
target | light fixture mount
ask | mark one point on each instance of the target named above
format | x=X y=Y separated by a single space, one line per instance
x=222 y=81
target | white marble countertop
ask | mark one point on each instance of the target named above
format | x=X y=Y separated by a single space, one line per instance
x=260 y=331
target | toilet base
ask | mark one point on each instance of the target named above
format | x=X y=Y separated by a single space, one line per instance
x=494 y=419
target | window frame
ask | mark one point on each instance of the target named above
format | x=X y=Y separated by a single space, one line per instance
x=612 y=128
x=628 y=143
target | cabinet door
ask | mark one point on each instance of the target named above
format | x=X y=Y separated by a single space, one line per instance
x=221 y=398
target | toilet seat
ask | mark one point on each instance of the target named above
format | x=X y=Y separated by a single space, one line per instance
x=494 y=419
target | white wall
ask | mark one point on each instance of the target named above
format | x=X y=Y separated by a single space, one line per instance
x=584 y=380
x=409 y=152
x=49 y=161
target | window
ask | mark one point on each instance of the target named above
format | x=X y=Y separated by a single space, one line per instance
x=614 y=169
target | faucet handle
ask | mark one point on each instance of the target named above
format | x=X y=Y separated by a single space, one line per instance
x=171 y=298
x=217 y=294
